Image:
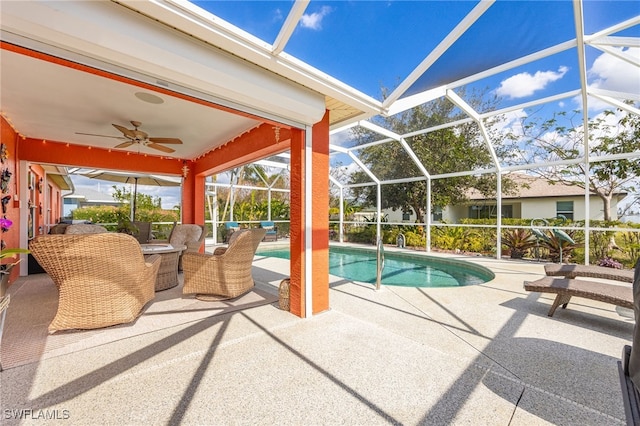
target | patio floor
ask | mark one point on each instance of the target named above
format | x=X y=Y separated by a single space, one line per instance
x=485 y=354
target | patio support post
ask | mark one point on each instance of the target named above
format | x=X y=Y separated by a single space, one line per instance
x=193 y=193
x=310 y=220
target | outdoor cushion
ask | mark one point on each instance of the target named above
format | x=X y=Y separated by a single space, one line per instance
x=85 y=229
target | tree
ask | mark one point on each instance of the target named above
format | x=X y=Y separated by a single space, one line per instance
x=551 y=141
x=253 y=175
x=452 y=149
x=143 y=201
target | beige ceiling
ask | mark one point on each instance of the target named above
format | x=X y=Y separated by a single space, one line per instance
x=48 y=101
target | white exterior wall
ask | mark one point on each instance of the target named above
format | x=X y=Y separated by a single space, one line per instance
x=396 y=216
x=529 y=208
x=532 y=208
x=546 y=208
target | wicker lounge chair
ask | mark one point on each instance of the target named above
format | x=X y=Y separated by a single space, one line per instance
x=272 y=231
x=223 y=276
x=102 y=279
x=591 y=271
x=567 y=287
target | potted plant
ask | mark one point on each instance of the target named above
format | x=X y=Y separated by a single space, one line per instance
x=6 y=267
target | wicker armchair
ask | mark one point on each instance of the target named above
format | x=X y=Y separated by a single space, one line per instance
x=102 y=279
x=224 y=276
x=232 y=238
x=186 y=234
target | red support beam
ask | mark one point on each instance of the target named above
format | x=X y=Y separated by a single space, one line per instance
x=51 y=152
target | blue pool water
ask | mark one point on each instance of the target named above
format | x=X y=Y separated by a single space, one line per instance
x=400 y=269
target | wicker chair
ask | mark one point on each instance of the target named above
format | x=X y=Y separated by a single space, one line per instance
x=224 y=276
x=144 y=231
x=232 y=238
x=186 y=234
x=102 y=279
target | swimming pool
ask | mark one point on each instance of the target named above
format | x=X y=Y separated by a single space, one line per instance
x=400 y=269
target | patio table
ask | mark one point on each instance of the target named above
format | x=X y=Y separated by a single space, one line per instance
x=168 y=273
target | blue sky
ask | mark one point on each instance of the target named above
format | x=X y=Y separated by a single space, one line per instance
x=374 y=44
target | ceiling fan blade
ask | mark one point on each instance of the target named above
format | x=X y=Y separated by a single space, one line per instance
x=124 y=144
x=160 y=147
x=102 y=136
x=128 y=133
x=166 y=140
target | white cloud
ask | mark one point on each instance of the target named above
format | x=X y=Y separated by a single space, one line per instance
x=511 y=122
x=525 y=84
x=314 y=20
x=278 y=16
x=611 y=73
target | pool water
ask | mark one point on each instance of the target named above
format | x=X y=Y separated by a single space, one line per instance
x=400 y=269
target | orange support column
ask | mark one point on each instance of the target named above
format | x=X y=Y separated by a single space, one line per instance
x=296 y=218
x=316 y=203
x=193 y=197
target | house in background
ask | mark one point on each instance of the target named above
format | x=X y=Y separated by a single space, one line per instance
x=85 y=197
x=535 y=198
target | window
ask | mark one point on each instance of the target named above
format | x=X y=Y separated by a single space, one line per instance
x=565 y=208
x=436 y=214
x=406 y=216
x=487 y=212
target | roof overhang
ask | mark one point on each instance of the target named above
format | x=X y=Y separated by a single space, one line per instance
x=108 y=35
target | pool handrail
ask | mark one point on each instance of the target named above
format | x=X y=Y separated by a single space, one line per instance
x=380 y=263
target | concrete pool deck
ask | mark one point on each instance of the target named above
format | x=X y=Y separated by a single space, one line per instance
x=482 y=355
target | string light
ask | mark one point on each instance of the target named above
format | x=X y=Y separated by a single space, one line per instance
x=276 y=130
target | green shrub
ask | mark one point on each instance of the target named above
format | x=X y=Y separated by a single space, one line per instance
x=413 y=239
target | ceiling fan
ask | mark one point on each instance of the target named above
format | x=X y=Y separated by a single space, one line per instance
x=135 y=136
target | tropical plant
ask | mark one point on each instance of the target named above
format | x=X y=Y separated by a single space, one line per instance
x=631 y=241
x=560 y=248
x=518 y=241
x=449 y=237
